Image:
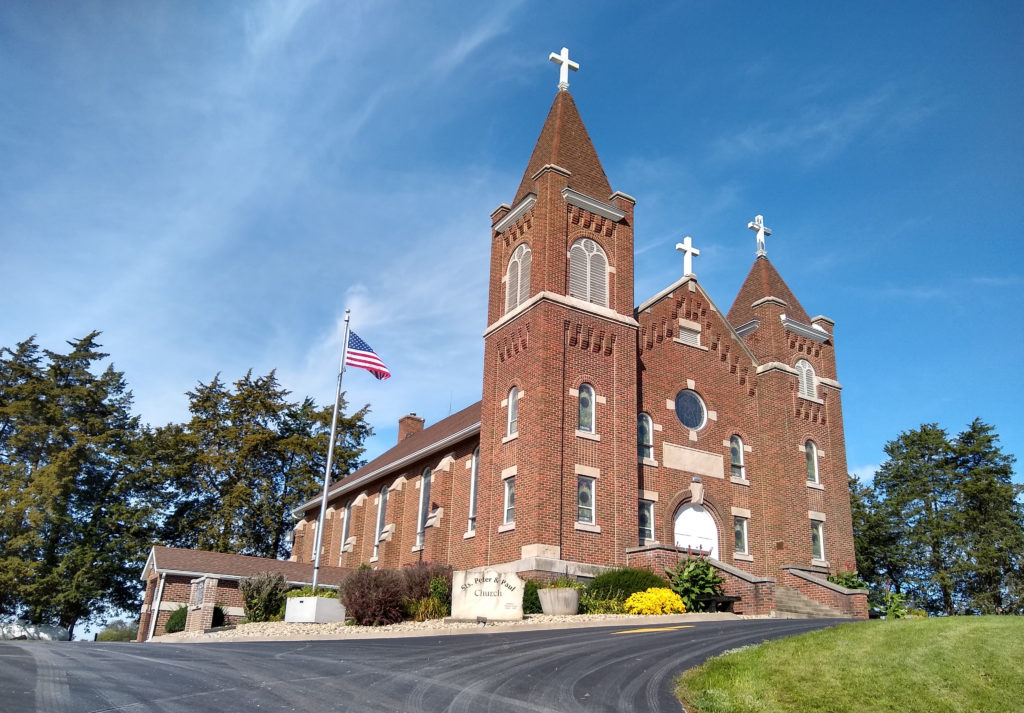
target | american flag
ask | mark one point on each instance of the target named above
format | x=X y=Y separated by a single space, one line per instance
x=360 y=354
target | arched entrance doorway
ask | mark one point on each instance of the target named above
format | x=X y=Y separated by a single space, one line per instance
x=696 y=529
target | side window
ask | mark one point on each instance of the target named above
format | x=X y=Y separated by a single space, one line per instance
x=509 y=510
x=740 y=531
x=473 y=475
x=513 y=412
x=808 y=387
x=588 y=272
x=585 y=421
x=585 y=500
x=421 y=524
x=818 y=540
x=382 y=509
x=644 y=437
x=811 y=451
x=517 y=277
x=736 y=457
x=645 y=519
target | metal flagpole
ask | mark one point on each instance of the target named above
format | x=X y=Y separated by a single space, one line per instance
x=318 y=538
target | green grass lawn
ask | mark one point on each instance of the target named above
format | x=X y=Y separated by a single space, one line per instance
x=908 y=666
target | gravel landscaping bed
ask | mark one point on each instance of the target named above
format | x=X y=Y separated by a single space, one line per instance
x=282 y=631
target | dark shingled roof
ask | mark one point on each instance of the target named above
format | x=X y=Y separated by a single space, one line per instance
x=198 y=562
x=418 y=441
x=564 y=142
x=763 y=280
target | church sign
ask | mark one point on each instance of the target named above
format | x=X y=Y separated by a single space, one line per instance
x=495 y=596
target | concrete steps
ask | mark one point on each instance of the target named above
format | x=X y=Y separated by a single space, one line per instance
x=791 y=604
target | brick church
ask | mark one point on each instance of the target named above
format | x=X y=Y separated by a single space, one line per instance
x=611 y=433
x=608 y=433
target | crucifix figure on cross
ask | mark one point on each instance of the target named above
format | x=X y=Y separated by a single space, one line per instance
x=566 y=65
x=759 y=227
x=688 y=251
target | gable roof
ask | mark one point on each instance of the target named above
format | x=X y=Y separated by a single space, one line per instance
x=196 y=563
x=564 y=142
x=762 y=281
x=442 y=434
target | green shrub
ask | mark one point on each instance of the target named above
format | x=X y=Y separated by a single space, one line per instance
x=589 y=604
x=176 y=621
x=620 y=583
x=566 y=583
x=374 y=597
x=263 y=595
x=441 y=592
x=419 y=576
x=118 y=630
x=850 y=580
x=307 y=591
x=692 y=578
x=531 y=600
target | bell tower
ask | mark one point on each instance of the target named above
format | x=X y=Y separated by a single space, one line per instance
x=558 y=428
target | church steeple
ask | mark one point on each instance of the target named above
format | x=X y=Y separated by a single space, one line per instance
x=764 y=281
x=565 y=143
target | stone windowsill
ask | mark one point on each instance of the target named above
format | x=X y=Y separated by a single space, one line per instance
x=589 y=436
x=417 y=548
x=739 y=481
x=815 y=486
x=645 y=542
x=510 y=437
x=677 y=340
x=742 y=557
x=469 y=534
x=648 y=461
x=374 y=559
x=820 y=563
x=812 y=399
x=587 y=527
x=506 y=527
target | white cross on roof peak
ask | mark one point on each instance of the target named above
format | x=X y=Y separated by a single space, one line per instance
x=758 y=226
x=566 y=64
x=688 y=251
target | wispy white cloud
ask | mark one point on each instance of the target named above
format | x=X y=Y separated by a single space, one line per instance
x=865 y=473
x=821 y=130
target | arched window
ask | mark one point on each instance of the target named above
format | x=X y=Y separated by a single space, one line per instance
x=517 y=277
x=736 y=457
x=644 y=438
x=473 y=475
x=811 y=449
x=585 y=422
x=513 y=412
x=588 y=272
x=421 y=525
x=346 y=528
x=808 y=385
x=382 y=509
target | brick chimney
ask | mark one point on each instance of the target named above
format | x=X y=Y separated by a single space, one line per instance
x=408 y=425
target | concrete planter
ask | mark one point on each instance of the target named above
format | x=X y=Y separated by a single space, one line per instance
x=559 y=601
x=317 y=610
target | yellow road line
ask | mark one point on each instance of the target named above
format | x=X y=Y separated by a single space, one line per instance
x=659 y=628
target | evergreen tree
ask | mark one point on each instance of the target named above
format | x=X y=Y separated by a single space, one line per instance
x=247 y=457
x=919 y=495
x=78 y=511
x=991 y=530
x=943 y=522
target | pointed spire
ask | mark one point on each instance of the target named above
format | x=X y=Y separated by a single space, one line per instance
x=762 y=281
x=564 y=142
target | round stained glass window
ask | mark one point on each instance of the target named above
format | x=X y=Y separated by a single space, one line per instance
x=690 y=410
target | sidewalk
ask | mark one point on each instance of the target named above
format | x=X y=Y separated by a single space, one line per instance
x=282 y=631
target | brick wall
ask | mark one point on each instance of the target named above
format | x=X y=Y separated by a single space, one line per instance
x=852 y=602
x=757 y=594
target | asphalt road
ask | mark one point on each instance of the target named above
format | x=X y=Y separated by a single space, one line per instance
x=563 y=670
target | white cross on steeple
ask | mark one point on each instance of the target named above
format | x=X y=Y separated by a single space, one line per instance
x=566 y=65
x=688 y=251
x=758 y=225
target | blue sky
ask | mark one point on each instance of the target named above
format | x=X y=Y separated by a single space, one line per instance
x=212 y=184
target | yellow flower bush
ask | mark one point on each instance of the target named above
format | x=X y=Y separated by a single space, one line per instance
x=656 y=600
